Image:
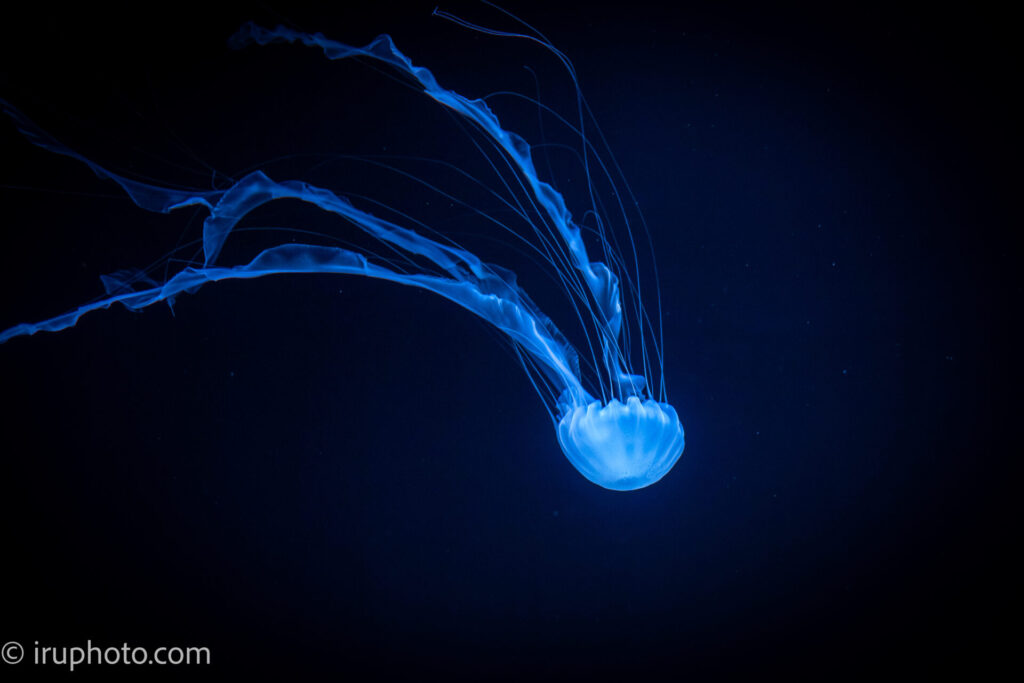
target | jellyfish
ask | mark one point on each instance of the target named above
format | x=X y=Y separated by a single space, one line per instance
x=613 y=422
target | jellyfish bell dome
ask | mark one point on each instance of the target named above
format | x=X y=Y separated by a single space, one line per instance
x=622 y=446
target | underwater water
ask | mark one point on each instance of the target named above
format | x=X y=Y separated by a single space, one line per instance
x=333 y=474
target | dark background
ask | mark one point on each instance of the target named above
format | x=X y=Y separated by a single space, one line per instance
x=322 y=474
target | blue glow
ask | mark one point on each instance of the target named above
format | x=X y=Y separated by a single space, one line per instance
x=613 y=425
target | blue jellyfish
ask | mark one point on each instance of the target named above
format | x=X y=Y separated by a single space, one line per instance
x=613 y=423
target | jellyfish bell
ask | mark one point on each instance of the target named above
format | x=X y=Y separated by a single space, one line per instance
x=622 y=446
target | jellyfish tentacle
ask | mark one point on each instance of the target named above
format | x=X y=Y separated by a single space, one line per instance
x=489 y=291
x=146 y=196
x=602 y=283
x=507 y=314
